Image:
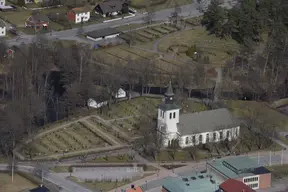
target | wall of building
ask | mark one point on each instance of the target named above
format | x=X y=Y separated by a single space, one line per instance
x=71 y=15
x=221 y=178
x=2 y=31
x=164 y=190
x=265 y=181
x=94 y=39
x=82 y=17
x=252 y=181
x=215 y=136
x=2 y=2
x=112 y=36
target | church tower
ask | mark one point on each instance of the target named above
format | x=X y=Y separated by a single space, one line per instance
x=168 y=116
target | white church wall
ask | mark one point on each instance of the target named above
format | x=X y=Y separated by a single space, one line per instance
x=213 y=136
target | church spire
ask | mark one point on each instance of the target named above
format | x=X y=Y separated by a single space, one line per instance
x=169 y=91
x=169 y=95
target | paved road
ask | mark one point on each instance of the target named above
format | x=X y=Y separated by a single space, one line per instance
x=162 y=15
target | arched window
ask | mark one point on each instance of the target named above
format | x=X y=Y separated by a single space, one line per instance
x=227 y=134
x=170 y=115
x=200 y=138
x=186 y=140
x=174 y=115
x=214 y=136
x=193 y=139
x=207 y=138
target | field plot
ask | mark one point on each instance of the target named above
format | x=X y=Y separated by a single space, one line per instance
x=75 y=137
x=121 y=54
x=149 y=34
x=216 y=49
x=19 y=183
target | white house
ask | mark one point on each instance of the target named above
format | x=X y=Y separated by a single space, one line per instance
x=79 y=15
x=194 y=128
x=2 y=2
x=2 y=29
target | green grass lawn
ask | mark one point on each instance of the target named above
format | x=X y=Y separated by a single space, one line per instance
x=61 y=169
x=19 y=184
x=260 y=111
x=104 y=185
x=179 y=156
x=217 y=49
x=165 y=5
x=112 y=159
x=279 y=171
x=16 y=17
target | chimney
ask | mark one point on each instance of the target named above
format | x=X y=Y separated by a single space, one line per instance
x=42 y=186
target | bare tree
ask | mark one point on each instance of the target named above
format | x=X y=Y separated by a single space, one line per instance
x=150 y=15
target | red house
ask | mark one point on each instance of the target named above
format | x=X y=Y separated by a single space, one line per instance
x=233 y=185
x=78 y=15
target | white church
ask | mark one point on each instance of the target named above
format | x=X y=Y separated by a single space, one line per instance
x=191 y=129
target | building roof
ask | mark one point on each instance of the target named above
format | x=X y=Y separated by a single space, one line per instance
x=232 y=185
x=111 y=6
x=41 y=188
x=235 y=167
x=102 y=32
x=167 y=106
x=260 y=170
x=200 y=182
x=2 y=24
x=169 y=91
x=135 y=189
x=206 y=121
x=81 y=9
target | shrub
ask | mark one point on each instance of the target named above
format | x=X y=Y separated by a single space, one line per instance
x=191 y=51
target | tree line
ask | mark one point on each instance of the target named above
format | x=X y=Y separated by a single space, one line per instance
x=260 y=27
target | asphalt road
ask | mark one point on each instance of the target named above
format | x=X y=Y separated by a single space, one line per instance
x=71 y=34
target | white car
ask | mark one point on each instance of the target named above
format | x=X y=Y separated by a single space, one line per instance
x=132 y=10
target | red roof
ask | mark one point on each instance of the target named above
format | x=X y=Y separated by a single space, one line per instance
x=232 y=185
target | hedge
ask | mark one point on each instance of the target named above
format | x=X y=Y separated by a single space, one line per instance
x=153 y=3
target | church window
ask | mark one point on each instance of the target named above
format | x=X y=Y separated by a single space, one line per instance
x=200 y=138
x=214 y=136
x=170 y=115
x=186 y=140
x=221 y=135
x=227 y=134
x=174 y=115
x=193 y=139
x=207 y=138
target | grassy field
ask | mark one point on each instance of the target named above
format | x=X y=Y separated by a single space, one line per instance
x=179 y=156
x=259 y=110
x=279 y=171
x=19 y=183
x=217 y=49
x=73 y=138
x=104 y=185
x=112 y=159
x=165 y=5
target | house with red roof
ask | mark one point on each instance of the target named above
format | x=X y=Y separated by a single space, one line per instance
x=233 y=185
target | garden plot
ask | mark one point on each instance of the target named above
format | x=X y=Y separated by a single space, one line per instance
x=132 y=108
x=75 y=137
x=129 y=126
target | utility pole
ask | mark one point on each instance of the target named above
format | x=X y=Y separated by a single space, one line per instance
x=270 y=158
x=282 y=157
x=13 y=162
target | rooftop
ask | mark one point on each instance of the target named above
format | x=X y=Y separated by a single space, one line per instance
x=102 y=32
x=167 y=106
x=237 y=167
x=206 y=121
x=201 y=182
x=232 y=185
x=81 y=9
